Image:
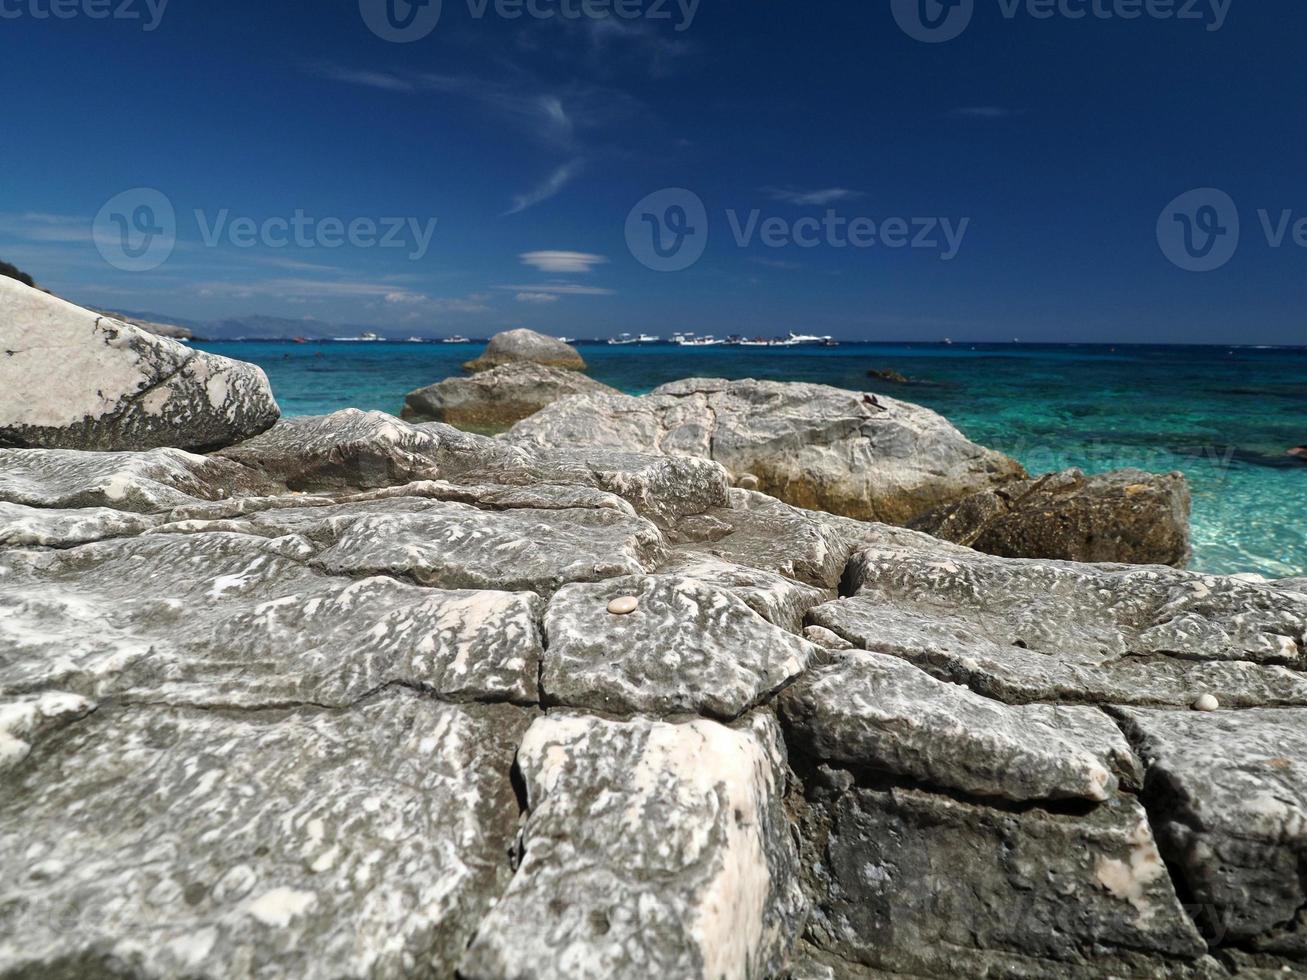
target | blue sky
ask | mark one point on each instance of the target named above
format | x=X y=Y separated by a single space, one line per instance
x=1048 y=144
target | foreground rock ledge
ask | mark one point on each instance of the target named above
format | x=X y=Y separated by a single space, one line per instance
x=73 y=379
x=346 y=701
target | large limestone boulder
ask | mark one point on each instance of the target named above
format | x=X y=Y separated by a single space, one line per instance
x=859 y=455
x=1127 y=516
x=493 y=400
x=517 y=346
x=73 y=379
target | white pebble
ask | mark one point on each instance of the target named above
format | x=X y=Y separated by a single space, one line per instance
x=1206 y=703
x=624 y=605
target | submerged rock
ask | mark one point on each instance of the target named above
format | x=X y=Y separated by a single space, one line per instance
x=1127 y=516
x=493 y=400
x=845 y=452
x=112 y=386
x=517 y=346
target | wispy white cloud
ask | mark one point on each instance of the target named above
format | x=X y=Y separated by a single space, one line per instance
x=555 y=182
x=776 y=263
x=382 y=292
x=984 y=112
x=560 y=289
x=820 y=197
x=562 y=262
x=538 y=298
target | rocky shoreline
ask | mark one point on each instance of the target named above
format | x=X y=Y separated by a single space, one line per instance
x=350 y=696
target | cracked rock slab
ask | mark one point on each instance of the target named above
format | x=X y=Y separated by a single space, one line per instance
x=1024 y=631
x=649 y=850
x=229 y=619
x=73 y=379
x=688 y=647
x=777 y=599
x=851 y=453
x=451 y=545
x=143 y=483
x=1230 y=791
x=355 y=450
x=35 y=527
x=306 y=844
x=920 y=883
x=875 y=711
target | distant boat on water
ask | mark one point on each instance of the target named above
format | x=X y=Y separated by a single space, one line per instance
x=458 y=338
x=367 y=337
x=621 y=340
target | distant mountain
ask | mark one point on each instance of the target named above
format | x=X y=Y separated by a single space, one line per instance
x=270 y=328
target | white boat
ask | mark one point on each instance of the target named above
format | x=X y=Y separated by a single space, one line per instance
x=367 y=337
x=416 y=340
x=795 y=339
x=568 y=340
x=622 y=339
x=706 y=341
x=458 y=338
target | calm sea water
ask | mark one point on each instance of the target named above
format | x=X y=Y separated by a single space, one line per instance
x=1223 y=416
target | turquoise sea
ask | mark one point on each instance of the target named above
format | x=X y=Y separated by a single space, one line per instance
x=1224 y=416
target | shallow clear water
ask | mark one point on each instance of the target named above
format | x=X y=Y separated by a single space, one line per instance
x=1223 y=416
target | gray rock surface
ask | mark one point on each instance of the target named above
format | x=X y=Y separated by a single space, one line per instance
x=259 y=711
x=1022 y=631
x=688 y=648
x=879 y=712
x=236 y=620
x=142 y=483
x=1127 y=516
x=518 y=346
x=917 y=882
x=493 y=400
x=1228 y=793
x=113 y=386
x=302 y=843
x=649 y=850
x=353 y=450
x=859 y=455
